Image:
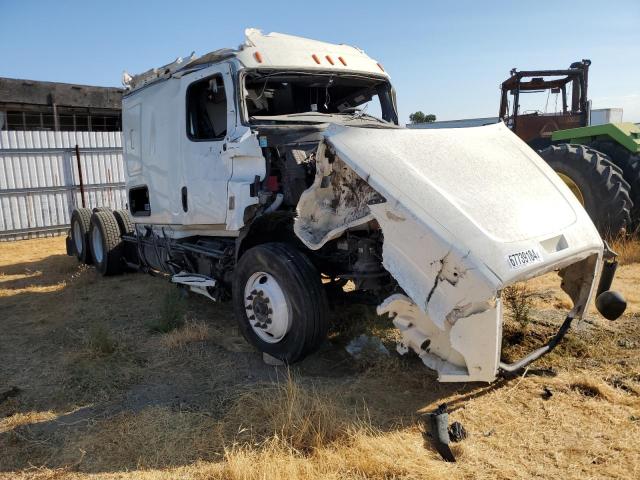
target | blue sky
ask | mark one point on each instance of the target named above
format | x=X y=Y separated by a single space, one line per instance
x=446 y=58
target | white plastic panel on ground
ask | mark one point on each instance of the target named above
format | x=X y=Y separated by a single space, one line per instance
x=39 y=180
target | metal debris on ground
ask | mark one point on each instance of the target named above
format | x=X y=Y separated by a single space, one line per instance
x=546 y=393
x=272 y=361
x=542 y=372
x=360 y=346
x=626 y=343
x=457 y=432
x=436 y=432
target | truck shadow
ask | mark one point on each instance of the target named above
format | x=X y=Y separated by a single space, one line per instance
x=48 y=271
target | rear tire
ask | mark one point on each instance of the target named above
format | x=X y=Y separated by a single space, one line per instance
x=604 y=192
x=129 y=249
x=630 y=166
x=106 y=243
x=80 y=225
x=279 y=301
x=124 y=221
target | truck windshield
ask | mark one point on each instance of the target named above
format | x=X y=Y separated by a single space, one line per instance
x=279 y=94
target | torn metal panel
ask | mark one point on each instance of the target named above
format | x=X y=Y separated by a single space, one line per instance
x=337 y=200
x=438 y=276
x=452 y=238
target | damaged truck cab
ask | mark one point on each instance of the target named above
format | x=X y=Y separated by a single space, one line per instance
x=276 y=174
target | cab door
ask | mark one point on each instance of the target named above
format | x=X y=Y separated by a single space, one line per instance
x=206 y=165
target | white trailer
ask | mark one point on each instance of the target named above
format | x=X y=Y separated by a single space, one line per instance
x=273 y=174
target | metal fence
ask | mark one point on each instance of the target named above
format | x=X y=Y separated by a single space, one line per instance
x=41 y=174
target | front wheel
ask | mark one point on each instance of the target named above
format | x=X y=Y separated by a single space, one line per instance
x=597 y=184
x=279 y=301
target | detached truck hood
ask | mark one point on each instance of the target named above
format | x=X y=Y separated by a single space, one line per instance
x=464 y=212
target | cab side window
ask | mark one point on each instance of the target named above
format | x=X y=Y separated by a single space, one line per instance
x=207 y=109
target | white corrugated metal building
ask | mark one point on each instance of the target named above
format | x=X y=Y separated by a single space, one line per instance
x=40 y=180
x=52 y=136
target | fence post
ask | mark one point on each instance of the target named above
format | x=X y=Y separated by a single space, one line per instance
x=80 y=176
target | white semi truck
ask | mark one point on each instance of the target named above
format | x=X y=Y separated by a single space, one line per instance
x=273 y=174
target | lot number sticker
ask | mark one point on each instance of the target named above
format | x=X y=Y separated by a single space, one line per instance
x=520 y=260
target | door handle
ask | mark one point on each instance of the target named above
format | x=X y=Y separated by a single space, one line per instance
x=185 y=200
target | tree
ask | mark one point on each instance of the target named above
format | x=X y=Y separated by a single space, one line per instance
x=421 y=117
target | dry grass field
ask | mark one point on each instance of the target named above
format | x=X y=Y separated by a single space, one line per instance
x=122 y=378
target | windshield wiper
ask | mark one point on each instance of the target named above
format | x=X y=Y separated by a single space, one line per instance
x=305 y=114
x=285 y=118
x=361 y=114
x=363 y=117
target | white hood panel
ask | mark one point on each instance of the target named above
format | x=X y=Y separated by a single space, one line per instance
x=463 y=212
x=481 y=190
x=495 y=180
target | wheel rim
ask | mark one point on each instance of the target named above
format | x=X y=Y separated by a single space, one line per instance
x=96 y=243
x=573 y=186
x=266 y=307
x=77 y=237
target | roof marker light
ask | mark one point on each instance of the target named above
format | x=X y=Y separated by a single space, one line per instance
x=380 y=67
x=258 y=57
x=329 y=59
x=343 y=61
x=315 y=57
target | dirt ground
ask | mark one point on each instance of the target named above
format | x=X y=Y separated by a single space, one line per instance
x=122 y=378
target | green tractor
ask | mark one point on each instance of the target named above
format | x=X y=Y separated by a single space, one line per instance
x=599 y=163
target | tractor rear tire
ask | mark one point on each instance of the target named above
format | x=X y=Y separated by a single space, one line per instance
x=630 y=166
x=604 y=192
x=80 y=222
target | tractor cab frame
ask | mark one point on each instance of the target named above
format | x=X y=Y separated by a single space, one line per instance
x=536 y=127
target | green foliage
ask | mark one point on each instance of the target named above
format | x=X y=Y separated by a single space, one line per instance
x=351 y=321
x=172 y=313
x=421 y=117
x=519 y=300
x=100 y=341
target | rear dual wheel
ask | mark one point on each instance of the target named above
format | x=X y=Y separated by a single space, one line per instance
x=125 y=223
x=107 y=246
x=80 y=225
x=96 y=237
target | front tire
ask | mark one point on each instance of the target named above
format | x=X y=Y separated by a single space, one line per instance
x=596 y=182
x=106 y=243
x=279 y=301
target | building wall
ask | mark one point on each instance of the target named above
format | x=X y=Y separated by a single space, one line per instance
x=17 y=118
x=52 y=106
x=39 y=179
